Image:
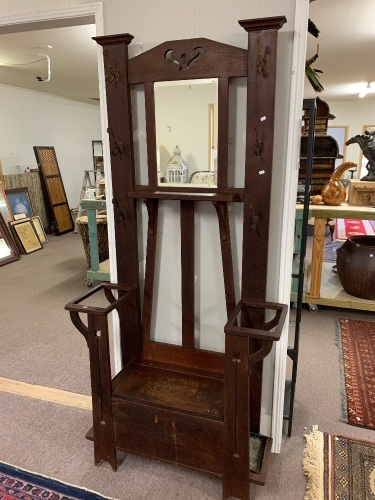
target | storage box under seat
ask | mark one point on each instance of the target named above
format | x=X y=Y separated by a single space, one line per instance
x=361 y=193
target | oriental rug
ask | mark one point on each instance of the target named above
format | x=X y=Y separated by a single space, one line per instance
x=356 y=342
x=19 y=484
x=345 y=228
x=338 y=467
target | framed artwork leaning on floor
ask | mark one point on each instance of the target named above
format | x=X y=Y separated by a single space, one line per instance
x=8 y=248
x=39 y=229
x=19 y=201
x=27 y=235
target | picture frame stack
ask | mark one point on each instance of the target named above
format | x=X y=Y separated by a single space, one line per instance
x=21 y=231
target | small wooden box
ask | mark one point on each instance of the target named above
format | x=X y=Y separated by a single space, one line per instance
x=361 y=193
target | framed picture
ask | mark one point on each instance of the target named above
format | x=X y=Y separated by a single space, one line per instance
x=20 y=216
x=8 y=249
x=4 y=206
x=19 y=201
x=39 y=229
x=27 y=235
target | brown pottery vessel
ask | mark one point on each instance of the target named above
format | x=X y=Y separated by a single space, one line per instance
x=356 y=266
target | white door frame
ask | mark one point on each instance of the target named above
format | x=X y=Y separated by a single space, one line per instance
x=289 y=208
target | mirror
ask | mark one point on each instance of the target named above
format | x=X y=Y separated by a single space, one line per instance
x=186 y=132
x=8 y=249
x=4 y=206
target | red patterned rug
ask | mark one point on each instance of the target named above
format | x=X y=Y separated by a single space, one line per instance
x=19 y=484
x=356 y=342
x=345 y=228
x=338 y=468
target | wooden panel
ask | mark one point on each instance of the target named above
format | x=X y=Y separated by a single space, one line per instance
x=187 y=59
x=196 y=359
x=120 y=130
x=187 y=273
x=54 y=189
x=222 y=136
x=194 y=442
x=262 y=50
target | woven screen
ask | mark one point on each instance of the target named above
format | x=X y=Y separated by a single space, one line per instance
x=54 y=189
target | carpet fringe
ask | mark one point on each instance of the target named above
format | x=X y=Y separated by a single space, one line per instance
x=344 y=406
x=313 y=464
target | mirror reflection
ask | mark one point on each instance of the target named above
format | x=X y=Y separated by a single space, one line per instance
x=186 y=132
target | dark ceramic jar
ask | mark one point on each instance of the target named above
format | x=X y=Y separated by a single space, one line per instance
x=356 y=266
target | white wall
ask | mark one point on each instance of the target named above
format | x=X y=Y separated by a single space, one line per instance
x=36 y=119
x=353 y=113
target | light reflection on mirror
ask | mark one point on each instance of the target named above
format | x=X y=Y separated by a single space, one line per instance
x=186 y=132
x=4 y=249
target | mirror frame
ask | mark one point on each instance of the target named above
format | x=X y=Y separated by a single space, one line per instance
x=5 y=211
x=6 y=236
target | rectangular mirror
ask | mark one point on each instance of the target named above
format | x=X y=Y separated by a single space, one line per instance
x=186 y=132
x=4 y=206
x=8 y=249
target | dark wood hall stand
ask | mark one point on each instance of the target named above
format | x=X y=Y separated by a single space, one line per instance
x=179 y=403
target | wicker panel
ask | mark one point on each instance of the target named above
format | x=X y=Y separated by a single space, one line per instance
x=55 y=190
x=47 y=156
x=53 y=187
x=63 y=218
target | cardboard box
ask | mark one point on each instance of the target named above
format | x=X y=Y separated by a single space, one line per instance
x=361 y=193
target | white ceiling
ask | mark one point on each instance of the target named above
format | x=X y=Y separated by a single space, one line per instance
x=346 y=54
x=346 y=47
x=73 y=66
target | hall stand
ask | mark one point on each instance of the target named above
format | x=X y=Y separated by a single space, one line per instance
x=180 y=403
x=301 y=236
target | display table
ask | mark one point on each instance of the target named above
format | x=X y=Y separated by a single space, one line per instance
x=323 y=287
x=98 y=271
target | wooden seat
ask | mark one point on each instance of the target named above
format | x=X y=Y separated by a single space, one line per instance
x=178 y=402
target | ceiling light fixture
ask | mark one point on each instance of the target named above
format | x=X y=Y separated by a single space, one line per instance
x=368 y=89
x=48 y=77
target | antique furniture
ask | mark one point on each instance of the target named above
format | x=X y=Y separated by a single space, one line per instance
x=181 y=403
x=326 y=149
x=98 y=268
x=323 y=286
x=361 y=193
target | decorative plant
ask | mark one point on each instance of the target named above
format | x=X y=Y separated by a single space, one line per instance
x=311 y=73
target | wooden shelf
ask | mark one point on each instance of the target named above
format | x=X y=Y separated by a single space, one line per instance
x=188 y=195
x=333 y=294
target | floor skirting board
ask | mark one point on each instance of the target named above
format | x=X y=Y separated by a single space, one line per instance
x=45 y=393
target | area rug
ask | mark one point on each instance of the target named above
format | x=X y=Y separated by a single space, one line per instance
x=330 y=250
x=356 y=342
x=338 y=467
x=19 y=484
x=345 y=228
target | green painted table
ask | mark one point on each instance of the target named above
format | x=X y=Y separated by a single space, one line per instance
x=99 y=271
